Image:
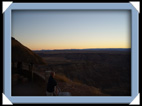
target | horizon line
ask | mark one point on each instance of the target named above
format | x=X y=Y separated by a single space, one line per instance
x=80 y=49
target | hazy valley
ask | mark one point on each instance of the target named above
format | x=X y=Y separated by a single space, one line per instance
x=107 y=70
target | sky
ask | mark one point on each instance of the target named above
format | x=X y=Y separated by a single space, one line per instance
x=72 y=29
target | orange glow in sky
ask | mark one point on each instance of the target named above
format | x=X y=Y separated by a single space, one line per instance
x=68 y=29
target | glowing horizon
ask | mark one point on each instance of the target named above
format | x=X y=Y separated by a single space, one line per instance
x=78 y=49
x=68 y=29
x=81 y=48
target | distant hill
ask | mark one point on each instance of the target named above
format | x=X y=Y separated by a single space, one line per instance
x=24 y=54
x=94 y=49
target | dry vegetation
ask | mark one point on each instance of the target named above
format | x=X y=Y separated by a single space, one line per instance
x=76 y=88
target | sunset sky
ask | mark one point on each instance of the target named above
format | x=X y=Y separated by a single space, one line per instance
x=68 y=29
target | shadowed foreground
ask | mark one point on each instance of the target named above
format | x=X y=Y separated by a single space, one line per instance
x=28 y=89
x=24 y=85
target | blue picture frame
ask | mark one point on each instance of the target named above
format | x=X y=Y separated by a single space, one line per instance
x=72 y=99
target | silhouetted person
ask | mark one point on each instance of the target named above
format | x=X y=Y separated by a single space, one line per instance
x=19 y=67
x=51 y=85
